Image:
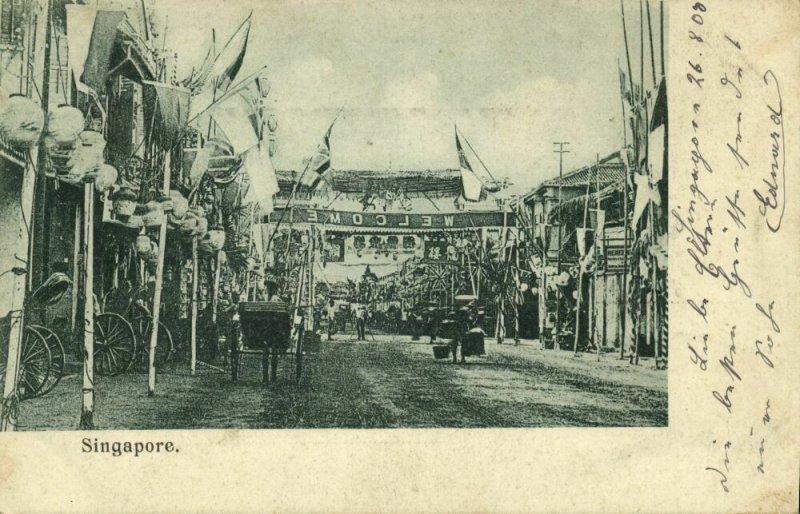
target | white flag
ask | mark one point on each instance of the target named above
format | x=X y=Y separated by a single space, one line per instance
x=80 y=22
x=263 y=181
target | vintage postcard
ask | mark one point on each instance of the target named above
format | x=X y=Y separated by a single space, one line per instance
x=346 y=256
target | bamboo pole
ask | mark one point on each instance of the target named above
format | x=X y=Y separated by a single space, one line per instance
x=87 y=403
x=8 y=408
x=597 y=231
x=580 y=275
x=193 y=321
x=516 y=292
x=76 y=269
x=162 y=247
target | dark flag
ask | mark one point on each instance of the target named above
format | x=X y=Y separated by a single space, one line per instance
x=471 y=183
x=320 y=162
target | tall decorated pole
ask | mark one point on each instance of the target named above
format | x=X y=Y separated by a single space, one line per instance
x=195 y=278
x=87 y=396
x=162 y=245
x=9 y=407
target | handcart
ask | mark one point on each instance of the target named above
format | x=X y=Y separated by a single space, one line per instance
x=265 y=328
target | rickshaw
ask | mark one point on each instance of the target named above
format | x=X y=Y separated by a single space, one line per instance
x=42 y=356
x=265 y=328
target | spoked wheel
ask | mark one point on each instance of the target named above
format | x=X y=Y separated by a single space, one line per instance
x=114 y=344
x=164 y=349
x=34 y=363
x=58 y=357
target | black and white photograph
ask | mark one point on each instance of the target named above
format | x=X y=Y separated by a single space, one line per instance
x=275 y=215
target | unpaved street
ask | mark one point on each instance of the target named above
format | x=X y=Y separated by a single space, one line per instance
x=385 y=382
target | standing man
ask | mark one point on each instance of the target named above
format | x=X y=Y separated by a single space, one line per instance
x=331 y=315
x=361 y=321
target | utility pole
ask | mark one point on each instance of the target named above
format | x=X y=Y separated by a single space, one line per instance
x=560 y=153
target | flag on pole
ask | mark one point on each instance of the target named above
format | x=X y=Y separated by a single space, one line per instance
x=200 y=75
x=263 y=181
x=471 y=183
x=320 y=162
x=170 y=106
x=226 y=66
x=238 y=116
x=645 y=194
x=79 y=18
x=101 y=46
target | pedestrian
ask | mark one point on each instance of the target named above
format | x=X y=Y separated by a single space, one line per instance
x=361 y=322
x=462 y=324
x=331 y=319
x=434 y=320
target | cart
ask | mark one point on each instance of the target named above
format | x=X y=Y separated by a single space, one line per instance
x=42 y=356
x=265 y=328
x=122 y=333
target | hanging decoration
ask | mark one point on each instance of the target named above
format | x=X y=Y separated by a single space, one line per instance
x=21 y=122
x=124 y=203
x=64 y=124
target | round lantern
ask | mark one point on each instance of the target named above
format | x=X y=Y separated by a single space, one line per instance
x=87 y=156
x=135 y=221
x=180 y=205
x=154 y=214
x=22 y=122
x=215 y=238
x=64 y=124
x=188 y=225
x=202 y=227
x=124 y=202
x=142 y=245
x=106 y=177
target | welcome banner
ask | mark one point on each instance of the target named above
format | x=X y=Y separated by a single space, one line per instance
x=395 y=221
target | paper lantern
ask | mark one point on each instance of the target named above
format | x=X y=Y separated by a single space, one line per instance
x=135 y=221
x=105 y=177
x=64 y=124
x=124 y=202
x=22 y=121
x=142 y=245
x=215 y=238
x=87 y=156
x=154 y=218
x=188 y=225
x=180 y=205
x=202 y=227
x=153 y=214
x=223 y=258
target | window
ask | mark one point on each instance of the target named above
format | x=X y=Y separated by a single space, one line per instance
x=11 y=16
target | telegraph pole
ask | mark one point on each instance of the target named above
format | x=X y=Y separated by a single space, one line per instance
x=560 y=151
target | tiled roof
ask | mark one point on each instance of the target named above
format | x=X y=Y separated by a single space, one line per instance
x=611 y=170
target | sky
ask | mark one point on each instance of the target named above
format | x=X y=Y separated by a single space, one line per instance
x=514 y=76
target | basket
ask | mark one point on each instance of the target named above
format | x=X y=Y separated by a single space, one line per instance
x=441 y=352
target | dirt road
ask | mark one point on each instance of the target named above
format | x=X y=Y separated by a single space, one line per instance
x=382 y=383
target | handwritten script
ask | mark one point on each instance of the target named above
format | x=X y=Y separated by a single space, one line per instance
x=733 y=188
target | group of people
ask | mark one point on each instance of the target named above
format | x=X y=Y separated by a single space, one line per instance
x=338 y=317
x=462 y=326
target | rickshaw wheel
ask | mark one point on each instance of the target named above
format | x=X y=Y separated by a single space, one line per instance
x=34 y=363
x=164 y=349
x=57 y=361
x=114 y=344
